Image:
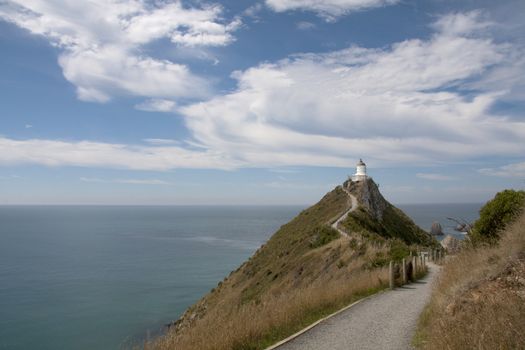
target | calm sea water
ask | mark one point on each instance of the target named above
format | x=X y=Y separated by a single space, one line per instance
x=97 y=277
x=425 y=214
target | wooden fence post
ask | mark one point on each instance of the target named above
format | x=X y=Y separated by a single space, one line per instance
x=391 y=273
x=414 y=268
x=404 y=271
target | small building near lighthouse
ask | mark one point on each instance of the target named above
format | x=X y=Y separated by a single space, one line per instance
x=360 y=171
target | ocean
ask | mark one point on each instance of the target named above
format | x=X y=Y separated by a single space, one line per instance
x=99 y=277
x=425 y=214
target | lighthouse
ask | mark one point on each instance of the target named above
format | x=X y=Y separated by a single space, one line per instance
x=360 y=171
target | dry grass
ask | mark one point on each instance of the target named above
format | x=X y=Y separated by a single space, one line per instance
x=479 y=299
x=301 y=274
x=258 y=325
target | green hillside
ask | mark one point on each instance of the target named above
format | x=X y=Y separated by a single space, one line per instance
x=305 y=270
x=377 y=219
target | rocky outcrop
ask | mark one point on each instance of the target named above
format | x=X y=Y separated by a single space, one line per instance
x=436 y=229
x=368 y=195
x=375 y=216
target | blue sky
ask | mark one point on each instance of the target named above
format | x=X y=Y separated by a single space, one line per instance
x=259 y=102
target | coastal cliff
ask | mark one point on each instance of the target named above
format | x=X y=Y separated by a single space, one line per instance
x=306 y=269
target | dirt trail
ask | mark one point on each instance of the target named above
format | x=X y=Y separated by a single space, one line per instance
x=353 y=207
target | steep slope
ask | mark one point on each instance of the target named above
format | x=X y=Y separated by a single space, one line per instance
x=376 y=218
x=303 y=271
x=479 y=300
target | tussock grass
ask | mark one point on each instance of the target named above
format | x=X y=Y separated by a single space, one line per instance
x=304 y=272
x=258 y=325
x=479 y=299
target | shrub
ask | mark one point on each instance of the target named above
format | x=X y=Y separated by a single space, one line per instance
x=323 y=235
x=398 y=250
x=496 y=214
x=379 y=260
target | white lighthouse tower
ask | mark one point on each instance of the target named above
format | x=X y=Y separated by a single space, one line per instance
x=360 y=172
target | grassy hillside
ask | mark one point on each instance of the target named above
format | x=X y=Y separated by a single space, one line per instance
x=479 y=301
x=379 y=220
x=305 y=271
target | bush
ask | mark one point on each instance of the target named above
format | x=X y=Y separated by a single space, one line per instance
x=379 y=260
x=496 y=214
x=322 y=236
x=398 y=250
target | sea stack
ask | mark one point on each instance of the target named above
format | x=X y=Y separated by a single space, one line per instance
x=436 y=229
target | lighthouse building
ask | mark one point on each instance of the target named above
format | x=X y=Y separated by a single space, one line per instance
x=360 y=173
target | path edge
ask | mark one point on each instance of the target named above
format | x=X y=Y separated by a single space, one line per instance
x=307 y=328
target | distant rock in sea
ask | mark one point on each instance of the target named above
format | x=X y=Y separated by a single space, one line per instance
x=436 y=229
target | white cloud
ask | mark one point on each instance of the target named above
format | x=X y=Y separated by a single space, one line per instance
x=510 y=170
x=329 y=9
x=156 y=105
x=462 y=23
x=162 y=142
x=101 y=43
x=435 y=177
x=253 y=11
x=399 y=104
x=143 y=182
x=289 y=185
x=402 y=103
x=92 y=179
x=110 y=155
x=304 y=25
x=28 y=126
x=10 y=177
x=126 y=181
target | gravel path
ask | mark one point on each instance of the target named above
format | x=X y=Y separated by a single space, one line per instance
x=385 y=321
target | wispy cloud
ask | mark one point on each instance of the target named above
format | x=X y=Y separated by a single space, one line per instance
x=92 y=179
x=328 y=9
x=100 y=41
x=143 y=181
x=435 y=177
x=10 y=177
x=253 y=11
x=162 y=141
x=332 y=108
x=510 y=170
x=284 y=170
x=304 y=25
x=156 y=105
x=126 y=181
x=291 y=185
x=110 y=155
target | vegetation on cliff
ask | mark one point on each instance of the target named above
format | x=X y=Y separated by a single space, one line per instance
x=378 y=220
x=479 y=300
x=304 y=272
x=503 y=209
